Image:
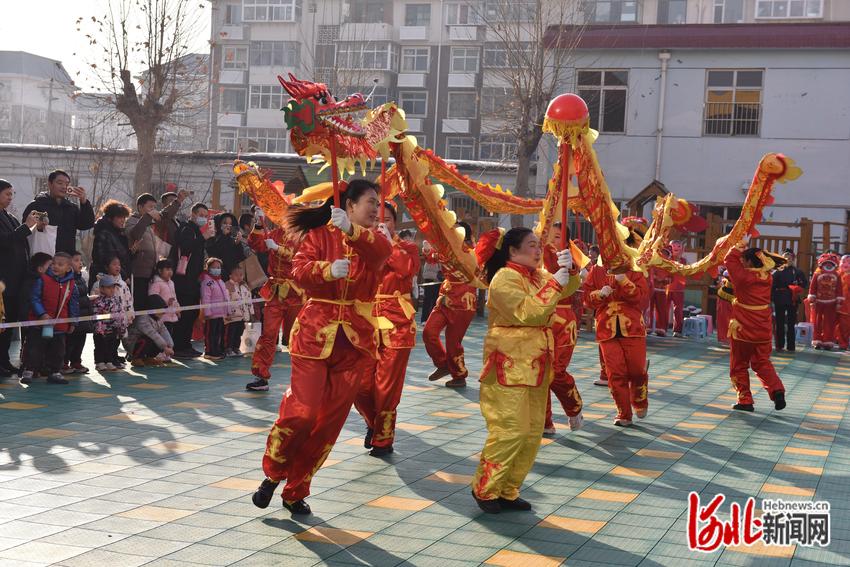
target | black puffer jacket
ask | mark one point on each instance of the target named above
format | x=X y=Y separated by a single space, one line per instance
x=108 y=243
x=66 y=216
x=224 y=246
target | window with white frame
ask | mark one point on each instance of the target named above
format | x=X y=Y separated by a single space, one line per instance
x=267 y=97
x=462 y=105
x=728 y=11
x=366 y=11
x=510 y=10
x=461 y=14
x=227 y=141
x=605 y=93
x=789 y=9
x=271 y=10
x=233 y=14
x=275 y=53
x=465 y=59
x=460 y=147
x=415 y=59
x=234 y=58
x=233 y=100
x=733 y=102
x=497 y=147
x=372 y=55
x=672 y=11
x=500 y=55
x=494 y=100
x=611 y=11
x=421 y=140
x=380 y=95
x=264 y=140
x=417 y=15
x=414 y=103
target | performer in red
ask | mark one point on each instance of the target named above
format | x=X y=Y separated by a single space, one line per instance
x=843 y=326
x=659 y=305
x=564 y=331
x=284 y=298
x=824 y=294
x=751 y=326
x=619 y=298
x=454 y=312
x=676 y=290
x=334 y=341
x=380 y=393
x=725 y=296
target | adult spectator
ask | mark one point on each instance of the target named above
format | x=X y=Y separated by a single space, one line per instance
x=67 y=217
x=786 y=302
x=227 y=243
x=167 y=229
x=14 y=249
x=110 y=241
x=190 y=264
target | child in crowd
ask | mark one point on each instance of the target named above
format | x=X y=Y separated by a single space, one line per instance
x=108 y=333
x=213 y=290
x=54 y=296
x=124 y=295
x=75 y=342
x=148 y=338
x=238 y=312
x=162 y=286
x=38 y=264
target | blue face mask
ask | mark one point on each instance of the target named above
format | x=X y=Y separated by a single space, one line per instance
x=200 y=221
x=215 y=271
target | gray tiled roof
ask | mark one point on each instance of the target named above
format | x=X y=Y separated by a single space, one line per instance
x=23 y=63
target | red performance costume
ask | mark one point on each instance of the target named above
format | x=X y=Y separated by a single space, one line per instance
x=333 y=344
x=725 y=295
x=659 y=304
x=284 y=298
x=564 y=330
x=676 y=291
x=825 y=296
x=454 y=312
x=750 y=330
x=619 y=302
x=380 y=393
x=843 y=326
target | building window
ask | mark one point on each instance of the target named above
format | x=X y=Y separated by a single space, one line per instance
x=421 y=140
x=605 y=93
x=264 y=140
x=494 y=101
x=789 y=9
x=510 y=10
x=365 y=11
x=611 y=11
x=462 y=105
x=460 y=148
x=414 y=103
x=275 y=53
x=461 y=14
x=379 y=56
x=465 y=59
x=227 y=141
x=733 y=103
x=497 y=147
x=672 y=11
x=271 y=10
x=233 y=100
x=415 y=59
x=498 y=55
x=417 y=15
x=233 y=15
x=267 y=97
x=728 y=11
x=235 y=58
x=380 y=95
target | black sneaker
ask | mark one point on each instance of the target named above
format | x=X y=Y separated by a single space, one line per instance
x=186 y=354
x=258 y=385
x=381 y=451
x=298 y=507
x=488 y=506
x=779 y=400
x=263 y=495
x=56 y=378
x=517 y=504
x=367 y=440
x=744 y=407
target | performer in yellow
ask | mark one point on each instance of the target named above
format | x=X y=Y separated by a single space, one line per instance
x=519 y=352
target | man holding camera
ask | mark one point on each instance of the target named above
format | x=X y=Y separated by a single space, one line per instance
x=66 y=216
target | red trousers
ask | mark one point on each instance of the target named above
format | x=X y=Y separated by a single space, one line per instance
x=724 y=314
x=277 y=315
x=744 y=356
x=825 y=316
x=677 y=298
x=455 y=323
x=842 y=329
x=603 y=373
x=625 y=362
x=659 y=307
x=563 y=384
x=380 y=394
x=312 y=413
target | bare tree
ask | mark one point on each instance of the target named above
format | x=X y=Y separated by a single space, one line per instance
x=145 y=66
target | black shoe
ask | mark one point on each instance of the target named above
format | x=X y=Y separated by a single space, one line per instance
x=9 y=367
x=5 y=372
x=56 y=378
x=258 y=385
x=298 y=507
x=186 y=354
x=263 y=495
x=381 y=451
x=744 y=407
x=367 y=440
x=488 y=506
x=779 y=400
x=517 y=504
x=438 y=373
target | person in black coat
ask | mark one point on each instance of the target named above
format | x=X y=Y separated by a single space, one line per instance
x=190 y=251
x=784 y=302
x=226 y=244
x=15 y=252
x=110 y=240
x=62 y=213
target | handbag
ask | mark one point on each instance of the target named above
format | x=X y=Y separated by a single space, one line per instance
x=254 y=274
x=182 y=264
x=163 y=249
x=250 y=336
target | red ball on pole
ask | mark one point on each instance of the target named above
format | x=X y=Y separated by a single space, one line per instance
x=568 y=108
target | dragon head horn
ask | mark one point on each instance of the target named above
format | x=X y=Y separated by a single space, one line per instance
x=296 y=88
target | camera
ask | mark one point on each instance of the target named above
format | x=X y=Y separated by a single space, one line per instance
x=42 y=217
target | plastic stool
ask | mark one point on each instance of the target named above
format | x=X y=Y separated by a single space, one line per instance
x=803 y=333
x=709 y=321
x=694 y=327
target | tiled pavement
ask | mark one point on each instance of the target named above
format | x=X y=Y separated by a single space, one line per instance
x=156 y=468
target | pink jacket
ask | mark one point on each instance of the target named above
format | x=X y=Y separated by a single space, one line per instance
x=165 y=289
x=214 y=290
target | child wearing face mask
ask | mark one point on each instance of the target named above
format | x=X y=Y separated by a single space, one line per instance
x=238 y=312
x=213 y=291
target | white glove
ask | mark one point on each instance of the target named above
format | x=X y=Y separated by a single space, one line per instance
x=565 y=259
x=339 y=219
x=811 y=298
x=562 y=276
x=340 y=268
x=271 y=244
x=745 y=240
x=382 y=228
x=620 y=278
x=583 y=274
x=606 y=291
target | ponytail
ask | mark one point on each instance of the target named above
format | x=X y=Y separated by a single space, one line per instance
x=305 y=219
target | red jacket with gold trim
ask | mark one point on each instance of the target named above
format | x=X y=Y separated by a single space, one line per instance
x=565 y=320
x=458 y=295
x=621 y=313
x=752 y=318
x=279 y=269
x=394 y=300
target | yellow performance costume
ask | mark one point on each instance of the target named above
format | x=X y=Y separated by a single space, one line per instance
x=518 y=355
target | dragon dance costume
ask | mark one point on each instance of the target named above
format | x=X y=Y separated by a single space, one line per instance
x=454 y=312
x=825 y=296
x=842 y=329
x=725 y=296
x=659 y=304
x=334 y=343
